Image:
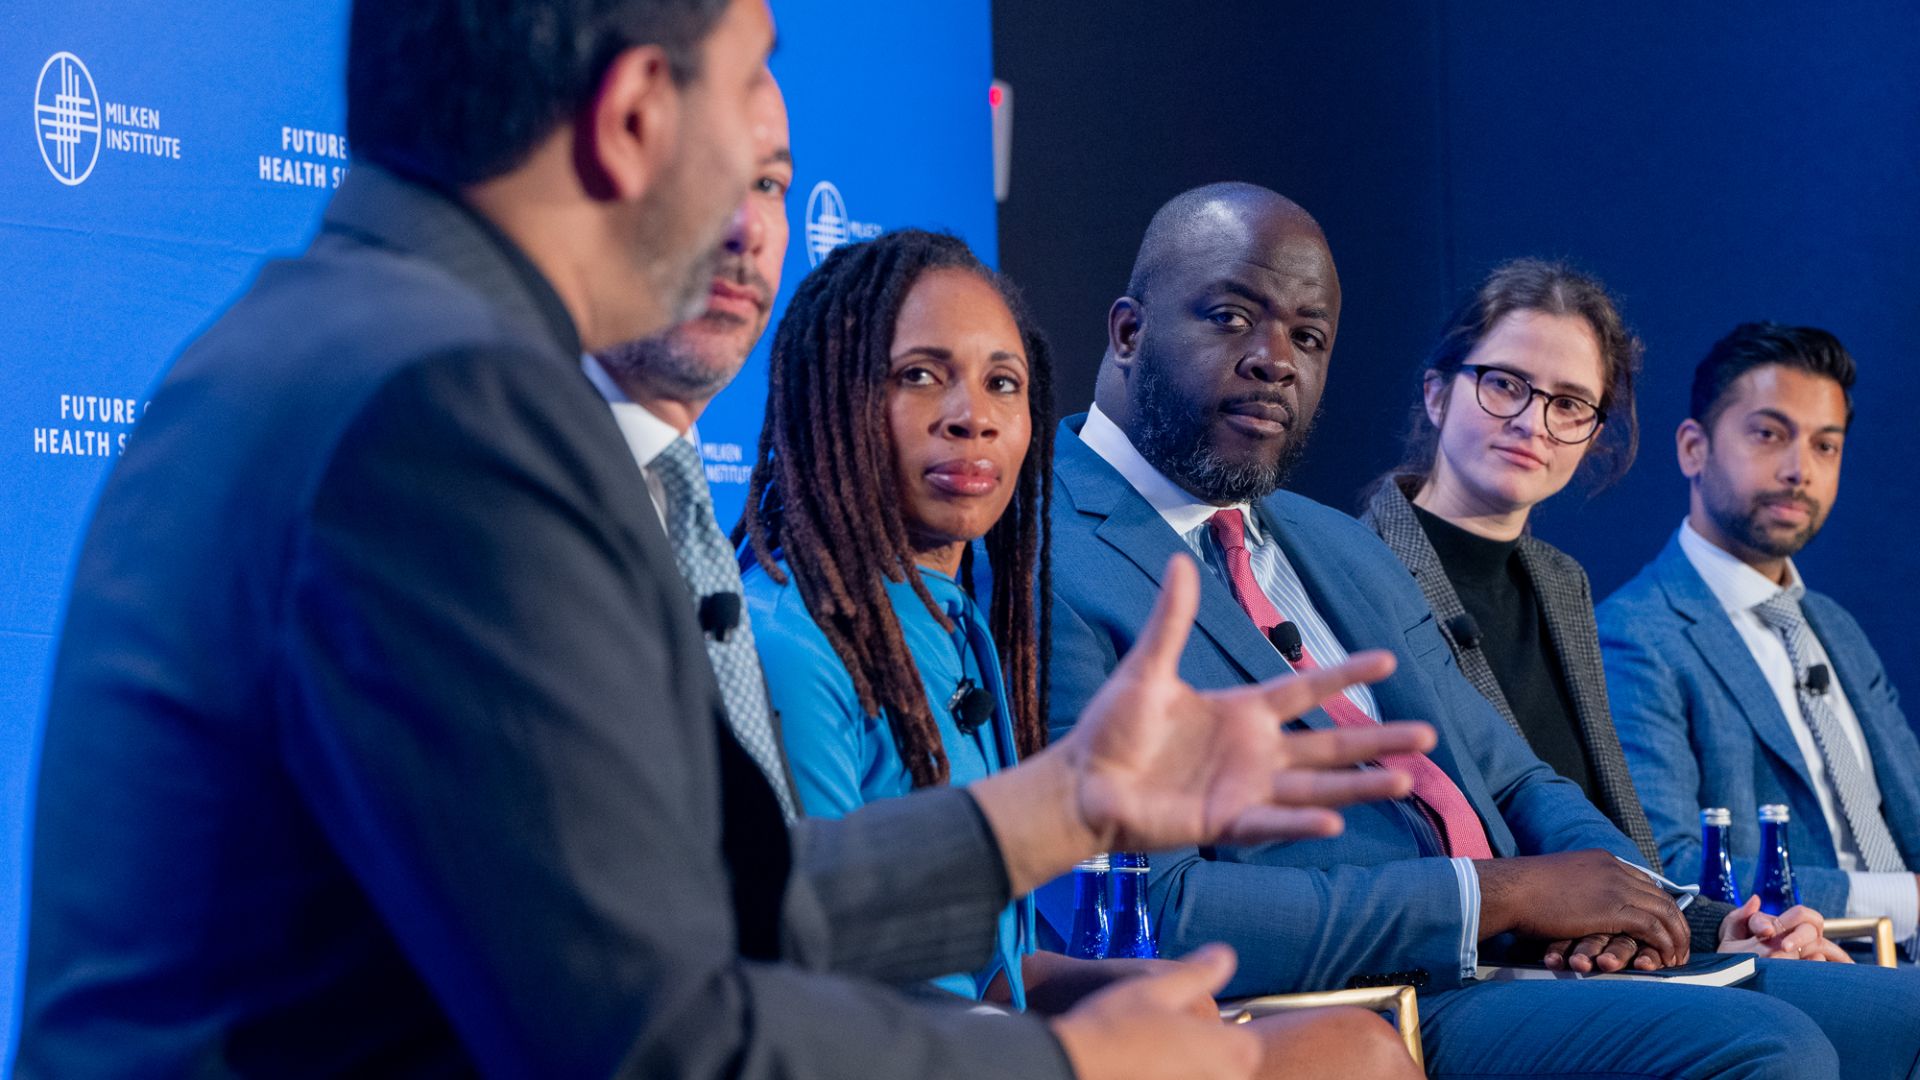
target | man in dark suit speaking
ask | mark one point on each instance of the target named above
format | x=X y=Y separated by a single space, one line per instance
x=382 y=737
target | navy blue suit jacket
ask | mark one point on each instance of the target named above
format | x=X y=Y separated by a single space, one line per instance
x=1378 y=901
x=1701 y=727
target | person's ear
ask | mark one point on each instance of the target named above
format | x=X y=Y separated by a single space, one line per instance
x=1691 y=444
x=1433 y=394
x=631 y=127
x=1124 y=319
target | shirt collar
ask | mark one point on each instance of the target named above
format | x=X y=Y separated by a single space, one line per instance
x=647 y=435
x=1176 y=505
x=1737 y=586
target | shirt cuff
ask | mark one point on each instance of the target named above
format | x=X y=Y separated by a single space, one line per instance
x=1894 y=895
x=1682 y=894
x=1469 y=881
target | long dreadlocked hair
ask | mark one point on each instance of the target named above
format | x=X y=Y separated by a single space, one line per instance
x=814 y=500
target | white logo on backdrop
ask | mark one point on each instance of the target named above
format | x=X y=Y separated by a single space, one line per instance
x=828 y=224
x=66 y=113
x=826 y=221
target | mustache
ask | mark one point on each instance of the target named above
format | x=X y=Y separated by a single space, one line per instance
x=1277 y=400
x=1791 y=498
x=736 y=269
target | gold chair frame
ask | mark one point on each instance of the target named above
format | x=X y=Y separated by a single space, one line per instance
x=1879 y=929
x=1398 y=1000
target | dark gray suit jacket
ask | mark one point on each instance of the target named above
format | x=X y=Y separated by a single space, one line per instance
x=382 y=738
x=1566 y=599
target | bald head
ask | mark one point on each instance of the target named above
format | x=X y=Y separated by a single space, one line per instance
x=1217 y=355
x=1205 y=219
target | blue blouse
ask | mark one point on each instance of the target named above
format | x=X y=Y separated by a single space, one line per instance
x=842 y=758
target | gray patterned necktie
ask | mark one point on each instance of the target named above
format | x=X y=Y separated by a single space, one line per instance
x=707 y=563
x=1859 y=794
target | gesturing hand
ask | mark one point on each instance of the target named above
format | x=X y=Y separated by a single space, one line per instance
x=1161 y=764
x=1163 y=1025
x=1154 y=764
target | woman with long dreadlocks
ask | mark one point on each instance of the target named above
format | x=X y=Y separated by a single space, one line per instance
x=909 y=416
x=906 y=417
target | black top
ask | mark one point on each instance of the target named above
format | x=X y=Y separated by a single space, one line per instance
x=1495 y=589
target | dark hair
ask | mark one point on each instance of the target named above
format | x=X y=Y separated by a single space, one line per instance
x=813 y=499
x=453 y=92
x=1552 y=288
x=1757 y=344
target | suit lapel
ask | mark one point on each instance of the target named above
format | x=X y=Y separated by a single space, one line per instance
x=1712 y=632
x=1571 y=629
x=1357 y=625
x=1391 y=515
x=1136 y=530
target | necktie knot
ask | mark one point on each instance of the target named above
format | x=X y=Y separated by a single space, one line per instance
x=1781 y=612
x=685 y=482
x=1229 y=529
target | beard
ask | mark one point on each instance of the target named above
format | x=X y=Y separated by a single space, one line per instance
x=673 y=366
x=697 y=358
x=1175 y=438
x=1740 y=518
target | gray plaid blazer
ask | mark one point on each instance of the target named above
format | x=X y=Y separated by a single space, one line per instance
x=1566 y=598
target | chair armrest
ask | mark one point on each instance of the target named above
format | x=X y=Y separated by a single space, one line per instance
x=1879 y=929
x=1398 y=1000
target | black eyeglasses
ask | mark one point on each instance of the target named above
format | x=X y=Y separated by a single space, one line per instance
x=1506 y=394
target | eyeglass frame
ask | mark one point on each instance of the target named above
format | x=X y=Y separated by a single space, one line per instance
x=1479 y=372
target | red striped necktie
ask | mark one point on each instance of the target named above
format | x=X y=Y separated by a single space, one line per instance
x=1434 y=792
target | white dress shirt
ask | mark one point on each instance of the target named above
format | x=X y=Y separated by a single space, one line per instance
x=1187 y=516
x=647 y=435
x=1739 y=588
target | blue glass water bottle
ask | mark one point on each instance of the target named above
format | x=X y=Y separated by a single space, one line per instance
x=1088 y=935
x=1773 y=879
x=1716 y=861
x=1132 y=927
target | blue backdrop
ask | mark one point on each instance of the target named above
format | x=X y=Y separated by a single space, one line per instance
x=174 y=146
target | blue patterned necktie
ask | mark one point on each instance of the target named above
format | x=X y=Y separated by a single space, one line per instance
x=1858 y=793
x=707 y=563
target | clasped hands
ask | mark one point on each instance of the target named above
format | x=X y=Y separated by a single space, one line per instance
x=1602 y=915
x=1798 y=933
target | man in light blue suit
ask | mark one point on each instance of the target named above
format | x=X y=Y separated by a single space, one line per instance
x=1735 y=686
x=1215 y=365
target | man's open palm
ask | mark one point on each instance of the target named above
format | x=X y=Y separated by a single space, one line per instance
x=1166 y=765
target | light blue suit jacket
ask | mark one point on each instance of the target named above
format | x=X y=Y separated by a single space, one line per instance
x=1701 y=727
x=1378 y=903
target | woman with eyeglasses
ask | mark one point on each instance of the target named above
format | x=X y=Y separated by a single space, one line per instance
x=1531 y=383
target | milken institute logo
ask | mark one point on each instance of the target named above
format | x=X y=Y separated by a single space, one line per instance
x=828 y=225
x=66 y=110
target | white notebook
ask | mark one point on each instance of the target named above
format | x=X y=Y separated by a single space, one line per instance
x=1709 y=969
